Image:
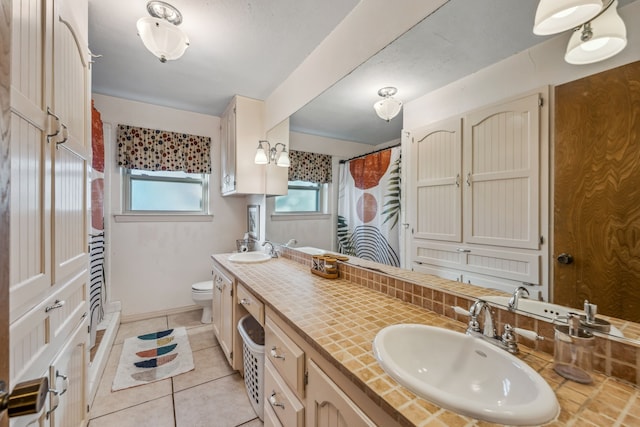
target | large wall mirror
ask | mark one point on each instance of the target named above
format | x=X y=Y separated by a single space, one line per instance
x=457 y=40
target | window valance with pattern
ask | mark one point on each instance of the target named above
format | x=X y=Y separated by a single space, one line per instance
x=310 y=167
x=159 y=150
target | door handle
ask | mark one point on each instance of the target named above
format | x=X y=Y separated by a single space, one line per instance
x=565 y=258
x=26 y=398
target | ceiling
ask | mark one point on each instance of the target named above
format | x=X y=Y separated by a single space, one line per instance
x=249 y=47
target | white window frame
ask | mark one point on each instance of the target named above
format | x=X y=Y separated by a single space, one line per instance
x=126 y=194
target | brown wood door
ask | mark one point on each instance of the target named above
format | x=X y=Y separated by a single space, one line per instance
x=5 y=59
x=597 y=192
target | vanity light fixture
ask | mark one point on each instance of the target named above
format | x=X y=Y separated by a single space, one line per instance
x=160 y=33
x=389 y=107
x=280 y=158
x=598 y=31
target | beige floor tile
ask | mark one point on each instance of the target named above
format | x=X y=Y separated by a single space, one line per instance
x=188 y=319
x=201 y=337
x=154 y=413
x=223 y=400
x=132 y=329
x=210 y=364
x=107 y=401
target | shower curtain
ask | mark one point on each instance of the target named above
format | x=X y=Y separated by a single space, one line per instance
x=96 y=236
x=369 y=207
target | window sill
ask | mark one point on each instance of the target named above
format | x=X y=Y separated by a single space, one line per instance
x=298 y=216
x=162 y=218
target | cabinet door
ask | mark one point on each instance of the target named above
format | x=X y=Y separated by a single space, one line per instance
x=226 y=324
x=328 y=406
x=72 y=151
x=501 y=156
x=68 y=376
x=436 y=153
x=228 y=149
x=30 y=217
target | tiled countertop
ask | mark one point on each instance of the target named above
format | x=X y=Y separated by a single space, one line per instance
x=340 y=319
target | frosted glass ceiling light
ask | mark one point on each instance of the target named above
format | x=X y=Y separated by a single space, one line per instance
x=599 y=39
x=389 y=107
x=555 y=16
x=160 y=33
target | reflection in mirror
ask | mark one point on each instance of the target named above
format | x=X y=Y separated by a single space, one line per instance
x=458 y=40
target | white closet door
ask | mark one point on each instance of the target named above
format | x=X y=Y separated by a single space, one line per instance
x=501 y=158
x=71 y=153
x=436 y=183
x=30 y=257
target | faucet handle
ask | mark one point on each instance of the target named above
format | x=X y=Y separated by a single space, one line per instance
x=473 y=317
x=461 y=311
x=526 y=333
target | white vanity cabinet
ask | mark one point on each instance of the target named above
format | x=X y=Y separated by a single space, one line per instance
x=226 y=314
x=241 y=127
x=475 y=195
x=304 y=389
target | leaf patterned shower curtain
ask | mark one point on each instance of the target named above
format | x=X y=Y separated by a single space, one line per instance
x=369 y=207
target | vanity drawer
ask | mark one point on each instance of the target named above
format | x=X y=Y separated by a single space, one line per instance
x=254 y=306
x=270 y=417
x=281 y=400
x=285 y=356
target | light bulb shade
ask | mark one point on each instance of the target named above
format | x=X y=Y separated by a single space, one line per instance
x=261 y=156
x=163 y=39
x=283 y=159
x=555 y=16
x=387 y=108
x=609 y=38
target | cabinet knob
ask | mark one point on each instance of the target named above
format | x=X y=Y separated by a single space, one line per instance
x=245 y=301
x=56 y=304
x=274 y=353
x=564 y=258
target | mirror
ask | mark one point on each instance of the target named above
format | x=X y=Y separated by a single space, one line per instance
x=449 y=44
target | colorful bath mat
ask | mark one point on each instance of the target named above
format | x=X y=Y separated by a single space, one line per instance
x=153 y=357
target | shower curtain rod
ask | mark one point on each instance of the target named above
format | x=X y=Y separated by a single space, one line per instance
x=373 y=152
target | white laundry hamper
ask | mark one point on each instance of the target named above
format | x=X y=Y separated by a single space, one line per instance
x=253 y=361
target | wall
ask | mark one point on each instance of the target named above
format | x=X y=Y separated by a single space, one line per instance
x=151 y=265
x=315 y=230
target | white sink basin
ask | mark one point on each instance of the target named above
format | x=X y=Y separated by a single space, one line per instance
x=310 y=250
x=465 y=374
x=249 y=257
x=547 y=310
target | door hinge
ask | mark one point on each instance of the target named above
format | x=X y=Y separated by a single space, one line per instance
x=231 y=292
x=306 y=378
x=540 y=102
x=88 y=329
x=542 y=240
x=231 y=355
x=87 y=408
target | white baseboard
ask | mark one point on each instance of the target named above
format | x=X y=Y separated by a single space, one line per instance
x=150 y=315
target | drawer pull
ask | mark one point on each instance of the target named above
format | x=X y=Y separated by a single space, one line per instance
x=275 y=354
x=274 y=402
x=245 y=301
x=65 y=380
x=56 y=304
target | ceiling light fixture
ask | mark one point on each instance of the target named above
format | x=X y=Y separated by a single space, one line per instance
x=160 y=33
x=280 y=158
x=598 y=31
x=389 y=107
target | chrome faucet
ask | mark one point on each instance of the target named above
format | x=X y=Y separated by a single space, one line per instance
x=520 y=292
x=506 y=341
x=272 y=249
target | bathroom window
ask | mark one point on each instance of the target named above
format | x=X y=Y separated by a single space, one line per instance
x=165 y=192
x=303 y=196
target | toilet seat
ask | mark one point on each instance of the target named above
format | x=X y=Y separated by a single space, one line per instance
x=202 y=287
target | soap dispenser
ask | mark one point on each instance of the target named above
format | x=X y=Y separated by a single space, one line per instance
x=573 y=350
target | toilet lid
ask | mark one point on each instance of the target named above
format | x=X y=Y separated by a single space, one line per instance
x=203 y=286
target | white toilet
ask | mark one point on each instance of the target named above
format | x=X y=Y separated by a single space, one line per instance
x=202 y=294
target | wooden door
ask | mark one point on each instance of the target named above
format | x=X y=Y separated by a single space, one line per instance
x=436 y=153
x=5 y=172
x=597 y=192
x=502 y=174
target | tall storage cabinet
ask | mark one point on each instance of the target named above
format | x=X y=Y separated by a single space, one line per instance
x=475 y=193
x=49 y=219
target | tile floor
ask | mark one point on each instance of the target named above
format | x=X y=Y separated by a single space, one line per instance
x=210 y=395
